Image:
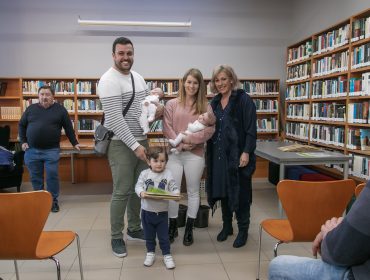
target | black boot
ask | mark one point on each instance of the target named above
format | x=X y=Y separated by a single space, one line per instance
x=241 y=239
x=172 y=230
x=227 y=229
x=188 y=236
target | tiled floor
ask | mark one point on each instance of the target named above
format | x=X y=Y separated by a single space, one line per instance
x=85 y=209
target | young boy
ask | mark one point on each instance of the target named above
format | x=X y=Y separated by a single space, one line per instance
x=154 y=213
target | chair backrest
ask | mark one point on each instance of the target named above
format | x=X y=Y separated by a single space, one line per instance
x=309 y=204
x=359 y=189
x=22 y=219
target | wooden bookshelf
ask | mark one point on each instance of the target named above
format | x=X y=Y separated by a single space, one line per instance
x=326 y=104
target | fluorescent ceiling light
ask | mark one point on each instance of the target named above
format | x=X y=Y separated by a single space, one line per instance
x=134 y=23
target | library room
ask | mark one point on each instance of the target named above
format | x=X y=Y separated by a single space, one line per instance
x=116 y=116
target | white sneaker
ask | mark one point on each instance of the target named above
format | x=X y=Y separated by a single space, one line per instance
x=149 y=259
x=169 y=262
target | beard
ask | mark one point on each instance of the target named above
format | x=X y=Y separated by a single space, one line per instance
x=125 y=68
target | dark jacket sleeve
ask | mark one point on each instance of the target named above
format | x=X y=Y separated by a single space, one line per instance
x=250 y=127
x=349 y=243
x=22 y=127
x=68 y=128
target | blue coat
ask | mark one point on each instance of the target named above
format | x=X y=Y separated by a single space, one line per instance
x=239 y=135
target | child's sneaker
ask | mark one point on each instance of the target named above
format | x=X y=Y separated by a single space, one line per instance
x=169 y=262
x=149 y=259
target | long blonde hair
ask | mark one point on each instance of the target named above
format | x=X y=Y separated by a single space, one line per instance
x=200 y=102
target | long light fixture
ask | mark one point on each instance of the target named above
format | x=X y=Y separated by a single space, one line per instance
x=134 y=23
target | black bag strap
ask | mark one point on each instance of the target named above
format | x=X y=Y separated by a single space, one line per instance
x=124 y=112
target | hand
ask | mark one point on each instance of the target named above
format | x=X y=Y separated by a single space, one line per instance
x=140 y=153
x=25 y=146
x=328 y=226
x=244 y=159
x=316 y=245
x=77 y=147
x=187 y=147
x=143 y=195
x=159 y=111
x=186 y=139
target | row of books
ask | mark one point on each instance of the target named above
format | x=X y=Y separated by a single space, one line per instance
x=358 y=139
x=358 y=112
x=298 y=92
x=298 y=111
x=360 y=166
x=260 y=88
x=156 y=126
x=10 y=113
x=27 y=102
x=329 y=135
x=87 y=87
x=3 y=86
x=327 y=65
x=87 y=125
x=298 y=72
x=154 y=142
x=263 y=105
x=330 y=88
x=60 y=87
x=331 y=40
x=300 y=53
x=267 y=125
x=69 y=104
x=168 y=87
x=89 y=105
x=297 y=130
x=360 y=29
x=328 y=111
x=361 y=56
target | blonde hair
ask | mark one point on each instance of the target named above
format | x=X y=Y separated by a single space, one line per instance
x=200 y=102
x=229 y=71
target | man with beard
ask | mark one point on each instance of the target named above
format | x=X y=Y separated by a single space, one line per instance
x=121 y=89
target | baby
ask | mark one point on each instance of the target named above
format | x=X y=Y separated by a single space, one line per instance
x=206 y=119
x=148 y=108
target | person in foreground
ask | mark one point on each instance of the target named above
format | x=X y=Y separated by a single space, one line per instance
x=120 y=88
x=179 y=112
x=154 y=212
x=230 y=153
x=344 y=246
x=39 y=133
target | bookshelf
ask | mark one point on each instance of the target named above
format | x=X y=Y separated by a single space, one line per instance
x=328 y=91
x=78 y=96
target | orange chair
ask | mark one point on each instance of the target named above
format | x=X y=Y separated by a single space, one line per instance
x=22 y=219
x=359 y=189
x=307 y=206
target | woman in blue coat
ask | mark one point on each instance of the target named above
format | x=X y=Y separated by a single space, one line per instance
x=230 y=153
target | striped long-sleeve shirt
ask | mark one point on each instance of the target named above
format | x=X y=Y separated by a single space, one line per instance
x=115 y=91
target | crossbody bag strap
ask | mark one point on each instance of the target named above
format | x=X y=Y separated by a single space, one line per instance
x=124 y=112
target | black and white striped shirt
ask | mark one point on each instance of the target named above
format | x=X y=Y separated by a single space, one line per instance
x=115 y=91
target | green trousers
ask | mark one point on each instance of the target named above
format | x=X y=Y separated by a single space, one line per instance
x=126 y=168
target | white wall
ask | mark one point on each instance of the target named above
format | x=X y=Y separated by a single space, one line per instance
x=313 y=16
x=41 y=38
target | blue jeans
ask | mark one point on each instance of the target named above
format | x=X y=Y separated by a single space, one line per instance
x=303 y=268
x=156 y=224
x=38 y=159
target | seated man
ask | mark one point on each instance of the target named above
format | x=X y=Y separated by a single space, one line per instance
x=344 y=245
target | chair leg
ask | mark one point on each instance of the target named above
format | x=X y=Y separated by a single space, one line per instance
x=79 y=256
x=276 y=247
x=16 y=269
x=259 y=254
x=58 y=266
